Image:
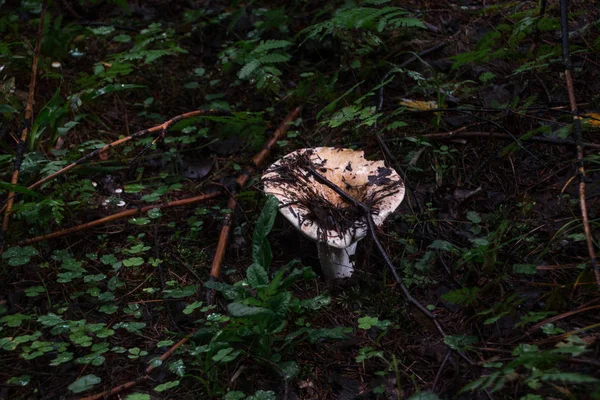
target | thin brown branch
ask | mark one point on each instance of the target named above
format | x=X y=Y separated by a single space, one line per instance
x=162 y=128
x=28 y=122
x=366 y=212
x=257 y=160
x=566 y=57
x=120 y=215
x=125 y=386
x=456 y=134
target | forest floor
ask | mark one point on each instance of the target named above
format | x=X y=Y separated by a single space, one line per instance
x=468 y=101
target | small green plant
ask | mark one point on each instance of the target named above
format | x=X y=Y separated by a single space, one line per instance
x=258 y=61
x=535 y=368
x=265 y=319
x=349 y=17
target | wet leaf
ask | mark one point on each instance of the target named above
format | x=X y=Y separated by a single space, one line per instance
x=84 y=383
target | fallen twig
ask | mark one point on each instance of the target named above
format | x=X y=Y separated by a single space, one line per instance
x=257 y=161
x=20 y=153
x=457 y=134
x=162 y=128
x=120 y=215
x=366 y=211
x=566 y=57
x=125 y=386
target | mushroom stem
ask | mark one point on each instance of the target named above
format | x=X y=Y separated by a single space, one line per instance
x=335 y=262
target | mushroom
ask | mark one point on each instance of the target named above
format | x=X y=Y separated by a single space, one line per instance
x=323 y=215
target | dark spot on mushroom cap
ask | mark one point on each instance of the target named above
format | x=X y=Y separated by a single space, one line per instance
x=349 y=166
x=381 y=178
x=323 y=169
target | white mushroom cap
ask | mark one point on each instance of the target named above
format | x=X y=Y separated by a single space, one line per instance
x=309 y=205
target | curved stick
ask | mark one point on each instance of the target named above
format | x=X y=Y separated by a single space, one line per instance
x=257 y=160
x=123 y=214
x=162 y=128
x=564 y=29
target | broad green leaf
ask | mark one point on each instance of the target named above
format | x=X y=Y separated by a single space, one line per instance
x=226 y=355
x=112 y=88
x=464 y=296
x=138 y=396
x=84 y=383
x=133 y=262
x=460 y=342
x=262 y=395
x=256 y=276
x=441 y=245
x=240 y=310
x=166 y=386
x=261 y=251
x=235 y=395
x=527 y=269
x=20 y=189
x=367 y=322
x=50 y=319
x=21 y=380
x=424 y=396
x=568 y=377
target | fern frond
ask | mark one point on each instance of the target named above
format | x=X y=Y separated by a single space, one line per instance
x=249 y=69
x=267 y=45
x=274 y=58
x=369 y=18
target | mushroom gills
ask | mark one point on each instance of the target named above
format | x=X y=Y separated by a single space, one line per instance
x=335 y=262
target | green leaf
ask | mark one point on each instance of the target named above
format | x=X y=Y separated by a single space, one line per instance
x=139 y=221
x=122 y=38
x=240 y=310
x=460 y=342
x=50 y=319
x=235 y=395
x=424 y=396
x=95 y=93
x=178 y=368
x=166 y=386
x=133 y=262
x=568 y=377
x=256 y=276
x=262 y=395
x=133 y=327
x=19 y=255
x=367 y=322
x=441 y=245
x=473 y=217
x=185 y=291
x=290 y=369
x=154 y=213
x=531 y=397
x=21 y=380
x=5 y=108
x=84 y=383
x=226 y=355
x=14 y=320
x=527 y=269
x=248 y=70
x=138 y=396
x=191 y=307
x=261 y=251
x=463 y=296
x=20 y=189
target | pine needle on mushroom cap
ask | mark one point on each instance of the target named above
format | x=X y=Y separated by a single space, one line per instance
x=321 y=213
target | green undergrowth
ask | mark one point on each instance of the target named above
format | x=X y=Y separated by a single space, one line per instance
x=488 y=238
